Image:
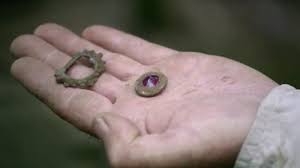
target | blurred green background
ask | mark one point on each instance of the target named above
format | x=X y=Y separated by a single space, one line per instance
x=264 y=34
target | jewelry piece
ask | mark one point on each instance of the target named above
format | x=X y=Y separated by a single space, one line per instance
x=151 y=84
x=98 y=66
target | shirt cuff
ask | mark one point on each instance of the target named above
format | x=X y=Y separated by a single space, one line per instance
x=273 y=141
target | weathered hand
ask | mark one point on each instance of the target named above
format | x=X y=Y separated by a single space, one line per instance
x=200 y=120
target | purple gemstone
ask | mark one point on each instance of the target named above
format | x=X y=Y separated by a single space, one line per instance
x=151 y=81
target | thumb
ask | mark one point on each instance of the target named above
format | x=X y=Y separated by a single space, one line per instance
x=111 y=127
x=126 y=147
x=117 y=133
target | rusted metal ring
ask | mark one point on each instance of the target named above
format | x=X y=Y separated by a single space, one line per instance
x=88 y=81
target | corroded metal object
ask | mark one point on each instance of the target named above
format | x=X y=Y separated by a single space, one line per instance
x=151 y=84
x=88 y=81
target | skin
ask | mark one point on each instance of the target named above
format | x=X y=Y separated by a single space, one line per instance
x=200 y=120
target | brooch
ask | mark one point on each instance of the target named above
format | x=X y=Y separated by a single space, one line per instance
x=151 y=84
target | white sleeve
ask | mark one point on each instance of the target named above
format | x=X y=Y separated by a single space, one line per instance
x=274 y=139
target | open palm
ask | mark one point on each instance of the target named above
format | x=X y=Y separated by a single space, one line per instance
x=199 y=120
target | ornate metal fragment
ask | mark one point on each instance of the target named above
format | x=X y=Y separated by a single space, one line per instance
x=151 y=84
x=88 y=81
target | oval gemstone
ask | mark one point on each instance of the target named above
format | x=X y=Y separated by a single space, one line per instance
x=151 y=81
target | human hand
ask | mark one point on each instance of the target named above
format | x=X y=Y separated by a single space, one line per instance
x=199 y=120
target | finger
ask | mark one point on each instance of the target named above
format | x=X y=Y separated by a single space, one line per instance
x=129 y=45
x=77 y=106
x=30 y=45
x=65 y=40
